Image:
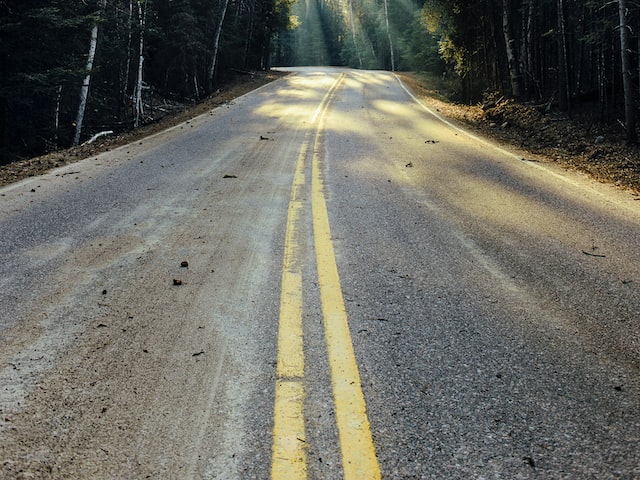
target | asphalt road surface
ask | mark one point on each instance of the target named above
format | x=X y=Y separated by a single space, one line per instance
x=323 y=280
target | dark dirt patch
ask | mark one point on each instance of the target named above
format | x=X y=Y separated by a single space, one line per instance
x=177 y=113
x=551 y=136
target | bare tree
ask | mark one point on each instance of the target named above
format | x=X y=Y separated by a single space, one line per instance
x=629 y=112
x=84 y=90
x=386 y=20
x=216 y=44
x=138 y=109
x=512 y=52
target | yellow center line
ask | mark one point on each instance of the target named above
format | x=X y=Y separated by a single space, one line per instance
x=289 y=438
x=290 y=347
x=289 y=460
x=359 y=461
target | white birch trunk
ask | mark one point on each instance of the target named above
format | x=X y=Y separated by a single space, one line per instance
x=196 y=87
x=125 y=82
x=84 y=90
x=216 y=44
x=137 y=101
x=56 y=119
x=386 y=20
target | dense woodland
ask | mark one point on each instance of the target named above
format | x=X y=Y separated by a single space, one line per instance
x=72 y=68
x=576 y=55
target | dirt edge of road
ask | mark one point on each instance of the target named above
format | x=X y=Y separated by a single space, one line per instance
x=550 y=136
x=31 y=167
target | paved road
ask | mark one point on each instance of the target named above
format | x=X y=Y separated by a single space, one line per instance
x=368 y=292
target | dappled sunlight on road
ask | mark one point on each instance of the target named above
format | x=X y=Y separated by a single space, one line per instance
x=475 y=186
x=384 y=136
x=297 y=101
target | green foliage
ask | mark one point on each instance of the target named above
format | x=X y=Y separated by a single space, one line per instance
x=454 y=55
x=419 y=48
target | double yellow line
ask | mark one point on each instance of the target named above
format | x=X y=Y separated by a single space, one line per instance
x=289 y=459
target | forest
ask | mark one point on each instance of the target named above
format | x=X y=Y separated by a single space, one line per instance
x=71 y=69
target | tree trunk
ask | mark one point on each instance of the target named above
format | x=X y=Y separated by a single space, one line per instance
x=530 y=42
x=56 y=116
x=512 y=53
x=216 y=45
x=386 y=21
x=563 y=62
x=602 y=85
x=127 y=68
x=629 y=112
x=137 y=102
x=84 y=90
x=354 y=34
x=495 y=64
x=248 y=40
x=196 y=86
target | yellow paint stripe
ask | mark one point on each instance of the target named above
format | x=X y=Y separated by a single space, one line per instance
x=359 y=461
x=290 y=345
x=289 y=445
x=289 y=438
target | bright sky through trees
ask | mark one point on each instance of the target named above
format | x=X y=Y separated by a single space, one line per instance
x=357 y=33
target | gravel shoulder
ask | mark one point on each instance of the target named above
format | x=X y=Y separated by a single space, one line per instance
x=31 y=167
x=548 y=135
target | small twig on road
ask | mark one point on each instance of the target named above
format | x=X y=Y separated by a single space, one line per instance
x=594 y=254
